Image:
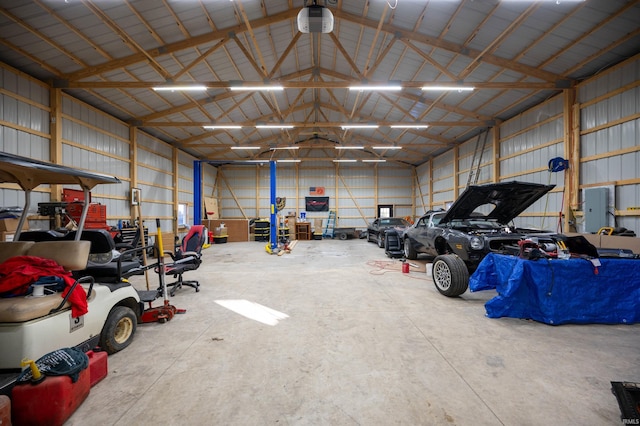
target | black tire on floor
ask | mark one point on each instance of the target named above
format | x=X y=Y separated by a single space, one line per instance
x=380 y=240
x=368 y=236
x=118 y=329
x=409 y=252
x=450 y=275
x=342 y=236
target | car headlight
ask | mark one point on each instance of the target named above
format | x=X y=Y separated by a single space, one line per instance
x=476 y=243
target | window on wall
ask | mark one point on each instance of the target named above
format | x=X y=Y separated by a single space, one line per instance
x=183 y=215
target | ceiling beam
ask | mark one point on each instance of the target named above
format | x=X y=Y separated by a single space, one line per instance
x=312 y=84
x=452 y=47
x=192 y=42
x=307 y=124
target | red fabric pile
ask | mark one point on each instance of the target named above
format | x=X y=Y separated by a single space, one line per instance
x=19 y=272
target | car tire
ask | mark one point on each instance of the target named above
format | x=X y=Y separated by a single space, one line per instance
x=380 y=240
x=342 y=236
x=409 y=252
x=450 y=275
x=368 y=236
x=118 y=330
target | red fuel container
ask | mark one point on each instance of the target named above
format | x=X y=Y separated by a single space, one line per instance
x=50 y=402
x=5 y=410
x=97 y=366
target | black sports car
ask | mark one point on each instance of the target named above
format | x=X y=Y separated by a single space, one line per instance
x=477 y=223
x=377 y=228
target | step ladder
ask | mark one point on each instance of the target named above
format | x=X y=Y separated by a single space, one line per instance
x=330 y=227
x=476 y=161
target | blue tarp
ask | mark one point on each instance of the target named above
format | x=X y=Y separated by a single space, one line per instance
x=557 y=291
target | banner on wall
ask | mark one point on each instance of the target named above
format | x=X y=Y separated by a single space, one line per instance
x=316 y=190
x=316 y=204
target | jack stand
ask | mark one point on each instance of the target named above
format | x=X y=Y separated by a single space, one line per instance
x=165 y=312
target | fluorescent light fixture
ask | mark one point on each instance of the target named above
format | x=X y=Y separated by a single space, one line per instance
x=409 y=126
x=374 y=161
x=274 y=126
x=222 y=126
x=284 y=147
x=344 y=161
x=245 y=147
x=254 y=161
x=256 y=88
x=452 y=88
x=288 y=161
x=349 y=147
x=374 y=87
x=386 y=147
x=179 y=88
x=359 y=126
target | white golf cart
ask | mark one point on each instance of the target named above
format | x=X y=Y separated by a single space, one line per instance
x=34 y=325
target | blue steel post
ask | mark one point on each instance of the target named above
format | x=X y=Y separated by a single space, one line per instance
x=197 y=192
x=273 y=219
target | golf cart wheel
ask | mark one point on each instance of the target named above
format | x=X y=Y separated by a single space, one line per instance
x=380 y=240
x=409 y=252
x=118 y=330
x=342 y=236
x=450 y=275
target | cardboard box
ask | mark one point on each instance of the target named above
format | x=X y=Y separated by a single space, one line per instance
x=6 y=236
x=8 y=225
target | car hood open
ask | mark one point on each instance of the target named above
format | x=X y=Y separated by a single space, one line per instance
x=510 y=199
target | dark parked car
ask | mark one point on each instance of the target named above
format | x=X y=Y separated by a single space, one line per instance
x=377 y=228
x=477 y=223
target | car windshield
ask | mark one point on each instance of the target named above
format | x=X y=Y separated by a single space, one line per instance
x=478 y=222
x=393 y=221
x=436 y=218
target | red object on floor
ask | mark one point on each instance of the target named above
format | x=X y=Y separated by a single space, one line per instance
x=5 y=410
x=50 y=402
x=405 y=268
x=98 y=369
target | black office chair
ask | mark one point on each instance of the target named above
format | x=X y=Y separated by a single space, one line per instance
x=186 y=257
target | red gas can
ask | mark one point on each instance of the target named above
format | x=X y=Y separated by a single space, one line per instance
x=97 y=366
x=5 y=410
x=50 y=402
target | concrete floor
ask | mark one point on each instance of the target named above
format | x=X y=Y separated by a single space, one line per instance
x=340 y=336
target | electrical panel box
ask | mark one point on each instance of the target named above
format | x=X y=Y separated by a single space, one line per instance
x=595 y=209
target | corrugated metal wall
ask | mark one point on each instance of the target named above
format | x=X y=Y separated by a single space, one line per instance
x=354 y=192
x=24 y=128
x=610 y=141
x=93 y=140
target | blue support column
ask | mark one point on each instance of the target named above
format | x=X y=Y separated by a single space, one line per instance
x=273 y=235
x=197 y=192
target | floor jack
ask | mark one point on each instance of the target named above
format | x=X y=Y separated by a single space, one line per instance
x=165 y=312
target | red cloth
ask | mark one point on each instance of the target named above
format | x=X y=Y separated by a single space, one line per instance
x=19 y=272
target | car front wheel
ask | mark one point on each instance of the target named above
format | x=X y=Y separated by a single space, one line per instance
x=409 y=252
x=450 y=275
x=380 y=240
x=118 y=330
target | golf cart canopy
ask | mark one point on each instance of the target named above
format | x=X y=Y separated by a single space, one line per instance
x=29 y=173
x=508 y=198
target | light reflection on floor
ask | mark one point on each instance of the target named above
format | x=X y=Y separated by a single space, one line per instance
x=254 y=311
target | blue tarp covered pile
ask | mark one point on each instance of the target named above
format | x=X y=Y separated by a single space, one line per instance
x=555 y=291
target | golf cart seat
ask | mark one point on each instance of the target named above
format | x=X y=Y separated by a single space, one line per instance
x=186 y=257
x=101 y=264
x=71 y=255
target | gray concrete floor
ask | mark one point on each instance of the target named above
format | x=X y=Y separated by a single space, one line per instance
x=343 y=337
